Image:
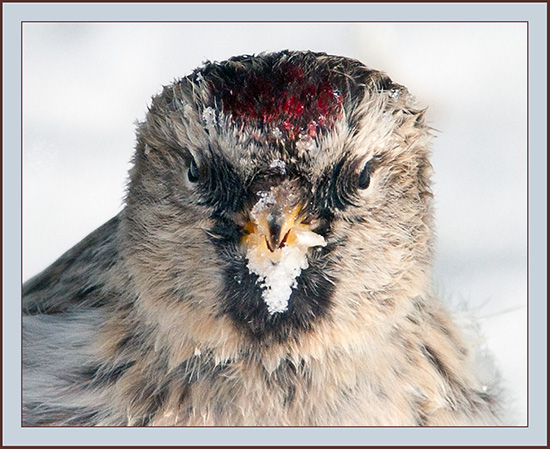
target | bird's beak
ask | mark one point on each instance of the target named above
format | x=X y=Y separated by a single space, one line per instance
x=271 y=228
x=276 y=222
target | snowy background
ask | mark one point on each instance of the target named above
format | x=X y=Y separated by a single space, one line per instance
x=85 y=85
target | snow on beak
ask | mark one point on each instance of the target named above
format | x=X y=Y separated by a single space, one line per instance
x=277 y=239
x=276 y=222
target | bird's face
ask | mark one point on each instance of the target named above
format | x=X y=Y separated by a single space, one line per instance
x=279 y=193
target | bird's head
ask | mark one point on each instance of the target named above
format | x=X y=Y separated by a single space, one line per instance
x=278 y=193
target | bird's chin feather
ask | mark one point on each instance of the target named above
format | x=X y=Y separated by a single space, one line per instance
x=243 y=300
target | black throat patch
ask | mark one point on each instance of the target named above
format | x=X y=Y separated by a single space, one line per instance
x=243 y=302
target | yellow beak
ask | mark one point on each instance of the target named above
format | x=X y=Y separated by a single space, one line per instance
x=272 y=228
x=275 y=222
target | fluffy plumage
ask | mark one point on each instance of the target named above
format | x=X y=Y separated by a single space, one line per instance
x=160 y=318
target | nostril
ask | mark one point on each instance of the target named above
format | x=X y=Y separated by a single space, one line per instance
x=307 y=218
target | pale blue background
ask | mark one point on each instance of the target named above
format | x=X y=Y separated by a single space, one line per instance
x=85 y=85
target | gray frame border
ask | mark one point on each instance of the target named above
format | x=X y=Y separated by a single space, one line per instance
x=534 y=13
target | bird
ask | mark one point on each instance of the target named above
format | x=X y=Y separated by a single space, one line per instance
x=271 y=266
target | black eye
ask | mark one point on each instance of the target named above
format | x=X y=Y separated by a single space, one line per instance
x=193 y=172
x=364 y=177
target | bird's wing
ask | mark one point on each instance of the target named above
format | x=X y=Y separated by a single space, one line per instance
x=75 y=280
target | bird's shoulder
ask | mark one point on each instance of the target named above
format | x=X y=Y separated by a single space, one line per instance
x=77 y=278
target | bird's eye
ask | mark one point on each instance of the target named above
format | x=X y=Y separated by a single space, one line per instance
x=364 y=177
x=193 y=172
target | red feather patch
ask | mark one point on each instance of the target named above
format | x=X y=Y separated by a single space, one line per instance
x=298 y=104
